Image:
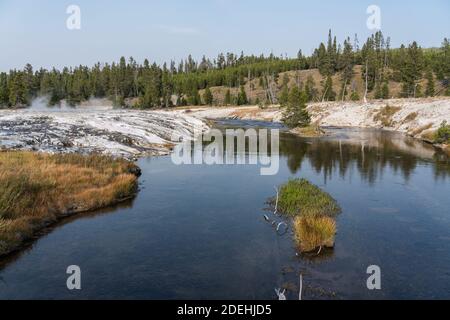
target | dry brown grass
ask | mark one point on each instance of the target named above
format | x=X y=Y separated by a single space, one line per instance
x=410 y=117
x=428 y=136
x=421 y=129
x=36 y=189
x=311 y=131
x=385 y=115
x=312 y=233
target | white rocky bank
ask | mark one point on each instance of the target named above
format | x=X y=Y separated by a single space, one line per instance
x=415 y=117
x=127 y=133
x=134 y=133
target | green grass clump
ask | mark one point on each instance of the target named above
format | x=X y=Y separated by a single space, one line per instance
x=300 y=197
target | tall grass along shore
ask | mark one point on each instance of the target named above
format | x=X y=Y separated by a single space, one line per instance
x=37 y=189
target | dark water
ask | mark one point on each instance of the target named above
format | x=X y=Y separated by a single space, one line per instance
x=197 y=232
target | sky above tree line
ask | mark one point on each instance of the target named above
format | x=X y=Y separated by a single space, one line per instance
x=35 y=31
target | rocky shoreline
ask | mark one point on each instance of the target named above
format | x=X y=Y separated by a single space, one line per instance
x=124 y=133
x=418 y=118
x=134 y=133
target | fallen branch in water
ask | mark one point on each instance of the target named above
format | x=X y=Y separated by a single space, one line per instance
x=320 y=249
x=285 y=230
x=281 y=295
x=301 y=287
x=276 y=203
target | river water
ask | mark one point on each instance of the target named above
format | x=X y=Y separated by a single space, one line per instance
x=198 y=231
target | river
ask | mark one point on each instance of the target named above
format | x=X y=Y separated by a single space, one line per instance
x=198 y=231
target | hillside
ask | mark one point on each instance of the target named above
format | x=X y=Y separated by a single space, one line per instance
x=255 y=92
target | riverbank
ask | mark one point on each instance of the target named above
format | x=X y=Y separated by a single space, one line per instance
x=118 y=132
x=37 y=190
x=418 y=118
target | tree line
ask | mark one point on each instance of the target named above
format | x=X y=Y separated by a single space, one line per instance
x=149 y=85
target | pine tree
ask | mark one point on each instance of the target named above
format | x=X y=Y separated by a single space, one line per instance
x=208 y=97
x=242 y=97
x=430 y=91
x=296 y=114
x=412 y=70
x=227 y=101
x=4 y=93
x=346 y=65
x=17 y=91
x=385 y=90
x=310 y=89
x=328 y=93
x=284 y=96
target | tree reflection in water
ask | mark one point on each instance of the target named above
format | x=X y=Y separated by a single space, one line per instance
x=369 y=151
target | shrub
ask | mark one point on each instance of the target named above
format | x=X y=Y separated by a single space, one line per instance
x=443 y=133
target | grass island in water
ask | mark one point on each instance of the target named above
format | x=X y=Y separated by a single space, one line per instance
x=313 y=211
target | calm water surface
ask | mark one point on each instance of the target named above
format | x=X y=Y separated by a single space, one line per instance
x=198 y=232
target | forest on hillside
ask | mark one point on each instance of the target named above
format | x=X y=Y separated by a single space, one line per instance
x=421 y=72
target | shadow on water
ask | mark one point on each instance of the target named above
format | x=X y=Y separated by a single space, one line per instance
x=28 y=246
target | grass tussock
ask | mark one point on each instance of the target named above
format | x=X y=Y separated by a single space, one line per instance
x=313 y=211
x=300 y=197
x=314 y=232
x=385 y=115
x=36 y=189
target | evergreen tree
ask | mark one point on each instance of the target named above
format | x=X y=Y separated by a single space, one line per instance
x=430 y=91
x=208 y=97
x=296 y=114
x=328 y=93
x=346 y=65
x=227 y=101
x=4 y=92
x=242 y=97
x=412 y=70
x=385 y=90
x=284 y=96
x=310 y=89
x=17 y=91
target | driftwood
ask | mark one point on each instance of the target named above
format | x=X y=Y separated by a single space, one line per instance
x=276 y=203
x=281 y=295
x=301 y=288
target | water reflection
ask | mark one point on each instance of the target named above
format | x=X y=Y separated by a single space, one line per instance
x=369 y=151
x=28 y=246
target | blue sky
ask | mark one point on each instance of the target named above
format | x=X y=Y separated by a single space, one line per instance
x=35 y=31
